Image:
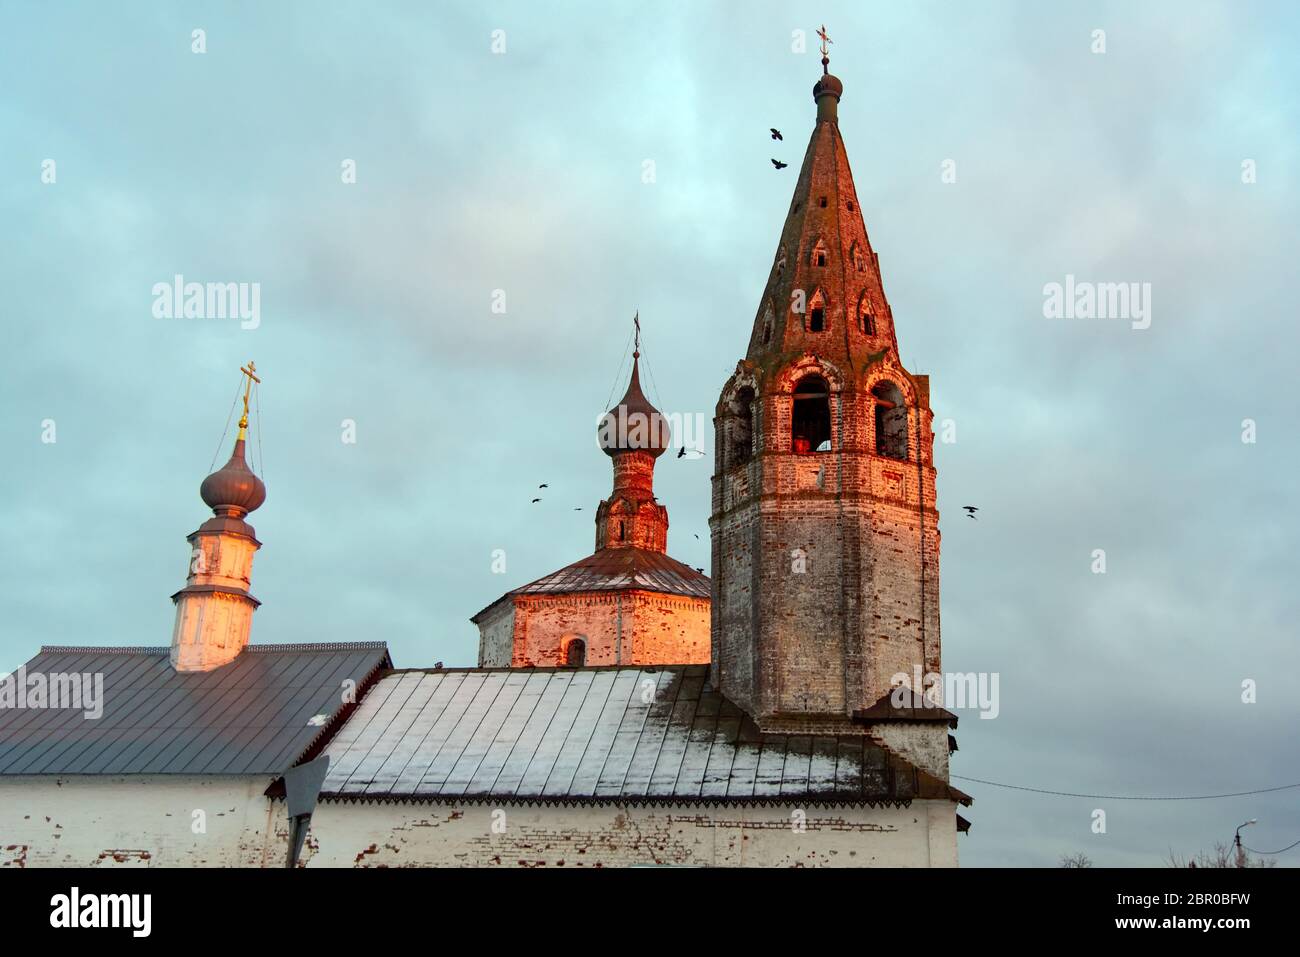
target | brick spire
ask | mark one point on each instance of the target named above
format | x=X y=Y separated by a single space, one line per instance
x=824 y=294
x=633 y=434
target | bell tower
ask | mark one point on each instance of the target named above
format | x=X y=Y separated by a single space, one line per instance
x=824 y=531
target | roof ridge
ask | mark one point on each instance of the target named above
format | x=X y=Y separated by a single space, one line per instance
x=510 y=669
x=105 y=649
x=258 y=648
x=320 y=646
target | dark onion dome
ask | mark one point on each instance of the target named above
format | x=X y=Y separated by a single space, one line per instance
x=634 y=424
x=233 y=486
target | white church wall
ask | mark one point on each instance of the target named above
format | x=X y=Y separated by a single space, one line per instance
x=349 y=833
x=139 y=820
x=191 y=821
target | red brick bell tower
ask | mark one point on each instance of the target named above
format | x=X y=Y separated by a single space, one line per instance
x=825 y=578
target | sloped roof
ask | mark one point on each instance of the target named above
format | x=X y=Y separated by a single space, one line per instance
x=618 y=569
x=256 y=715
x=621 y=733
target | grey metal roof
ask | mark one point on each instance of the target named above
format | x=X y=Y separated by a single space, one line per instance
x=654 y=733
x=256 y=715
x=618 y=569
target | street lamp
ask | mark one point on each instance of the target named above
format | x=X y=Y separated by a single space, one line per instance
x=1241 y=853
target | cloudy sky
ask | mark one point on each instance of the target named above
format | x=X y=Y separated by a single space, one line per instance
x=522 y=171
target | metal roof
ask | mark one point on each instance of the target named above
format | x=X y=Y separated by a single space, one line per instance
x=256 y=715
x=653 y=734
x=618 y=569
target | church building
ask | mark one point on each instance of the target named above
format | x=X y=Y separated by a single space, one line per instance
x=626 y=709
x=627 y=603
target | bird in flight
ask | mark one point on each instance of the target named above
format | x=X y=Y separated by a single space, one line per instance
x=776 y=134
x=697 y=534
x=971 y=510
x=578 y=508
x=543 y=485
x=779 y=165
x=534 y=501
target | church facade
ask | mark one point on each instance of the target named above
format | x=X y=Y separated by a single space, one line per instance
x=626 y=709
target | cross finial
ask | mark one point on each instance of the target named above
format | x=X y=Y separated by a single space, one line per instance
x=825 y=38
x=636 y=321
x=249 y=371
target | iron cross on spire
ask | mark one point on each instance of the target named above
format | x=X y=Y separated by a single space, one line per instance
x=825 y=38
x=636 y=321
x=249 y=371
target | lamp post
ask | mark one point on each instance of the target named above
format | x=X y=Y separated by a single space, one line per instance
x=1241 y=852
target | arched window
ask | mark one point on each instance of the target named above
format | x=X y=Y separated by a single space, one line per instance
x=810 y=416
x=743 y=440
x=866 y=320
x=780 y=260
x=855 y=255
x=622 y=530
x=817 y=312
x=819 y=254
x=891 y=421
x=575 y=653
x=769 y=319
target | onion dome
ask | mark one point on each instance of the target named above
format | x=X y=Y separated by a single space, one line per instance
x=828 y=85
x=233 y=489
x=634 y=425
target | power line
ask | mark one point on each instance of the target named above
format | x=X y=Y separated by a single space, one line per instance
x=222 y=441
x=1129 y=797
x=1271 y=853
x=618 y=374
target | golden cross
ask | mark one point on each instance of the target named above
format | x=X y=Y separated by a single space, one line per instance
x=825 y=39
x=248 y=371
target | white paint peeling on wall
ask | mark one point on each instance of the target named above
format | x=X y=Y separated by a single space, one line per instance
x=188 y=821
x=140 y=820
x=451 y=834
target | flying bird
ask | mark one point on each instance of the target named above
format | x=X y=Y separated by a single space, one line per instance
x=535 y=501
x=578 y=508
x=776 y=134
x=971 y=510
x=779 y=165
x=697 y=534
x=543 y=485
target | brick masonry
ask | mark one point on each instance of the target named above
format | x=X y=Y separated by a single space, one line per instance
x=825 y=563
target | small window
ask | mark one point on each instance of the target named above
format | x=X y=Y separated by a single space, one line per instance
x=575 y=653
x=744 y=436
x=822 y=202
x=767 y=332
x=855 y=256
x=622 y=531
x=810 y=419
x=866 y=321
x=817 y=312
x=850 y=206
x=891 y=421
x=818 y=257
